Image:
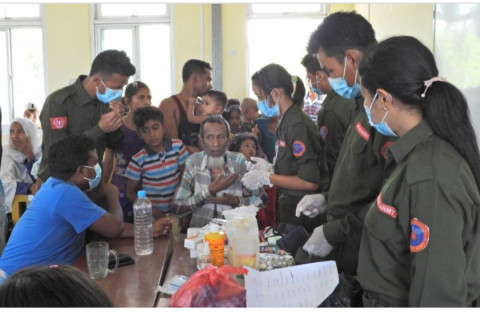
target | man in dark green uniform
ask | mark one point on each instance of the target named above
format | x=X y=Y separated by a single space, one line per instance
x=340 y=43
x=90 y=106
x=336 y=113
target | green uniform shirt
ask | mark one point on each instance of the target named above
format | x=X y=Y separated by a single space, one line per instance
x=333 y=120
x=421 y=242
x=299 y=152
x=356 y=181
x=71 y=111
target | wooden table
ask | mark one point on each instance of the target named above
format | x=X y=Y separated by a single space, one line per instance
x=134 y=285
x=180 y=264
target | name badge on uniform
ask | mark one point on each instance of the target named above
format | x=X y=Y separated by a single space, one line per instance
x=362 y=131
x=58 y=123
x=386 y=209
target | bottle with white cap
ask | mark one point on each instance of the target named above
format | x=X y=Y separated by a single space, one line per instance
x=143 y=237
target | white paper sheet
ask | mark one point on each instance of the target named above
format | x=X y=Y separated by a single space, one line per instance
x=298 y=286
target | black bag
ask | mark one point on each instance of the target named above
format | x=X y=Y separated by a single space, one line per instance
x=347 y=294
x=293 y=237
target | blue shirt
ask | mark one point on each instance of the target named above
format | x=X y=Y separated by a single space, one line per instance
x=52 y=230
x=267 y=139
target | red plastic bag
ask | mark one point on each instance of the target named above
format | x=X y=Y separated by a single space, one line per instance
x=211 y=287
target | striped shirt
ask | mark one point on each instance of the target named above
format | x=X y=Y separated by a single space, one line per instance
x=193 y=189
x=159 y=173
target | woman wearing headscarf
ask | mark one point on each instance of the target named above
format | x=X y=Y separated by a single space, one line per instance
x=19 y=155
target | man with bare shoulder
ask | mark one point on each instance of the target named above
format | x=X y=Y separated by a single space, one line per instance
x=197 y=78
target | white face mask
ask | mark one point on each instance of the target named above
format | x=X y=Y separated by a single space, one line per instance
x=94 y=182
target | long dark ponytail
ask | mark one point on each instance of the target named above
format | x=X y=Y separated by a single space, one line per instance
x=274 y=76
x=401 y=65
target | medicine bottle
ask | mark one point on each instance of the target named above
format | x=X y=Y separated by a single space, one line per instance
x=216 y=241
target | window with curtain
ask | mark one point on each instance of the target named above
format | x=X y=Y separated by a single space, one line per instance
x=21 y=59
x=278 y=33
x=143 y=31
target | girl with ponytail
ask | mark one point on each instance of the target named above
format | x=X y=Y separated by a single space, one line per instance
x=420 y=245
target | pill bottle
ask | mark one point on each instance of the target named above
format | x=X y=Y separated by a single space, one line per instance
x=216 y=242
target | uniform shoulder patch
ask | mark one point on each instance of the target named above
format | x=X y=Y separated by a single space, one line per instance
x=384 y=208
x=362 y=131
x=298 y=148
x=324 y=131
x=419 y=236
x=58 y=123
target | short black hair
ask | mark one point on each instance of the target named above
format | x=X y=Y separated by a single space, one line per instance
x=67 y=154
x=218 y=96
x=145 y=114
x=311 y=63
x=111 y=62
x=194 y=66
x=214 y=119
x=54 y=286
x=341 y=31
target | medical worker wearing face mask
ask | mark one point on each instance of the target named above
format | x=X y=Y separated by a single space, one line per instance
x=336 y=113
x=91 y=106
x=340 y=42
x=420 y=245
x=299 y=166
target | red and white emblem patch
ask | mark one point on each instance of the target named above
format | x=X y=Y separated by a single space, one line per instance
x=58 y=123
x=362 y=131
x=281 y=143
x=384 y=208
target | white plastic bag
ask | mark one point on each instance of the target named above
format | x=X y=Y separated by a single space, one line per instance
x=242 y=234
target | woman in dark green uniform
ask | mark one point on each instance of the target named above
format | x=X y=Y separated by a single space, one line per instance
x=299 y=165
x=420 y=245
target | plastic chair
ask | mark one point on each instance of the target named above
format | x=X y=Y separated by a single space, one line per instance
x=19 y=206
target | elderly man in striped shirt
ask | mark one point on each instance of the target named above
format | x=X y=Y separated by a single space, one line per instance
x=211 y=182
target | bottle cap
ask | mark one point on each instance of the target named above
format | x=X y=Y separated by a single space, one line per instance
x=141 y=194
x=214 y=228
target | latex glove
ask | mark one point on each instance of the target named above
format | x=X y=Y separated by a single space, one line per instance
x=258 y=163
x=311 y=205
x=255 y=179
x=317 y=244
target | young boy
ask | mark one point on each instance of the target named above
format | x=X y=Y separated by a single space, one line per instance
x=158 y=166
x=213 y=103
x=250 y=114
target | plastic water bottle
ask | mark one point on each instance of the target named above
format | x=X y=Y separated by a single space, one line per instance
x=142 y=211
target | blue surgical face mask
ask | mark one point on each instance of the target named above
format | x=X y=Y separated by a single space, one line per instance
x=267 y=110
x=340 y=85
x=94 y=182
x=109 y=95
x=381 y=127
